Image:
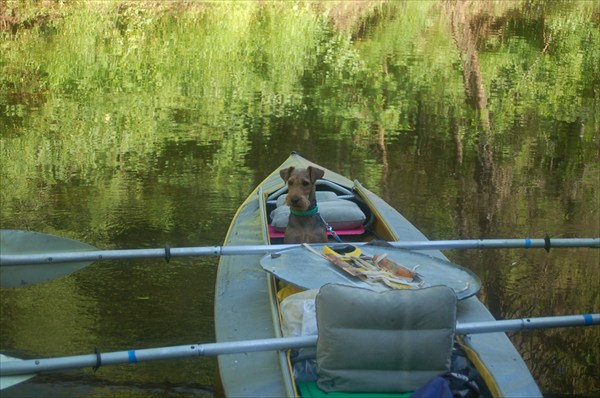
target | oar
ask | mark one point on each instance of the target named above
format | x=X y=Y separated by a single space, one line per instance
x=19 y=369
x=42 y=257
x=13 y=242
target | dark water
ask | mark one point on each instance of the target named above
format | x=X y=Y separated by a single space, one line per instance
x=135 y=126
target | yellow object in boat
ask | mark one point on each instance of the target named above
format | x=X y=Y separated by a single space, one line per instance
x=345 y=252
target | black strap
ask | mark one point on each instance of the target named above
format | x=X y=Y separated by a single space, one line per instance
x=98 y=360
x=547 y=243
x=167 y=253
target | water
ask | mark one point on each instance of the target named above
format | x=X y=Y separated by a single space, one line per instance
x=136 y=126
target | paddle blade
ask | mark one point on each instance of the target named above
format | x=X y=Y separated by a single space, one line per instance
x=26 y=242
x=8 y=381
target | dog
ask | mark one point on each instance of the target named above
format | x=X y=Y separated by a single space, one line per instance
x=305 y=225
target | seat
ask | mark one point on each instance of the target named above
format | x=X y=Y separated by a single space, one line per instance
x=393 y=341
x=344 y=216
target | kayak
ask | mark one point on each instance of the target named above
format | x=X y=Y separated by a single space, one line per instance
x=247 y=304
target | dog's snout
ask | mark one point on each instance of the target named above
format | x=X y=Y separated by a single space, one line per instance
x=295 y=200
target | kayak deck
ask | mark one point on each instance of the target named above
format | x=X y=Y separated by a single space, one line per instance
x=246 y=306
x=306 y=268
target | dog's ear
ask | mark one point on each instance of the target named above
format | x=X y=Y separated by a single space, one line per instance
x=286 y=173
x=315 y=173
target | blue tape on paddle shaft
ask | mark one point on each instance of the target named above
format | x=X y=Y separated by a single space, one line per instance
x=527 y=243
x=589 y=320
x=132 y=358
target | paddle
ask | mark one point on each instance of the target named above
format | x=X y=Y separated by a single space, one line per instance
x=41 y=257
x=25 y=243
x=13 y=371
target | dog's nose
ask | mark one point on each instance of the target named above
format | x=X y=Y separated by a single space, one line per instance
x=295 y=200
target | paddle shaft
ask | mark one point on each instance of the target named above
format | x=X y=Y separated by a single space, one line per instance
x=168 y=253
x=283 y=343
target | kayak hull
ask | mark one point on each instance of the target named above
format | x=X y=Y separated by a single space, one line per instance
x=246 y=306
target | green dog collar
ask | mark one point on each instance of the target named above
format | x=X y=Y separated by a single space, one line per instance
x=309 y=212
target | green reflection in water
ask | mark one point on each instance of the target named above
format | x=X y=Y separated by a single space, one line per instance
x=132 y=125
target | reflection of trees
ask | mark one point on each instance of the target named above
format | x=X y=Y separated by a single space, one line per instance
x=468 y=27
x=472 y=24
x=384 y=159
x=170 y=138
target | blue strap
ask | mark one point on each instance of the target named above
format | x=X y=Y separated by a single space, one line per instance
x=132 y=357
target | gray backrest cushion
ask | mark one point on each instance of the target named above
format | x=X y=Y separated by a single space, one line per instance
x=392 y=341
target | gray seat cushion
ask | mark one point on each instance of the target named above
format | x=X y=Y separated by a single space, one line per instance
x=340 y=214
x=393 y=341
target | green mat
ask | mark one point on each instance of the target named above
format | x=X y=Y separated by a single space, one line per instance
x=309 y=389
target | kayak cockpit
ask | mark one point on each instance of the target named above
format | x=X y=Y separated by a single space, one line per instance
x=340 y=207
x=354 y=219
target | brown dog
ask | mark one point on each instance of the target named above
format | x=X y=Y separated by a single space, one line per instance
x=305 y=225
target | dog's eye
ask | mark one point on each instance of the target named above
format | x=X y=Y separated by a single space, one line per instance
x=290 y=183
x=305 y=183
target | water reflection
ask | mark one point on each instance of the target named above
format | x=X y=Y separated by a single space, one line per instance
x=474 y=119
